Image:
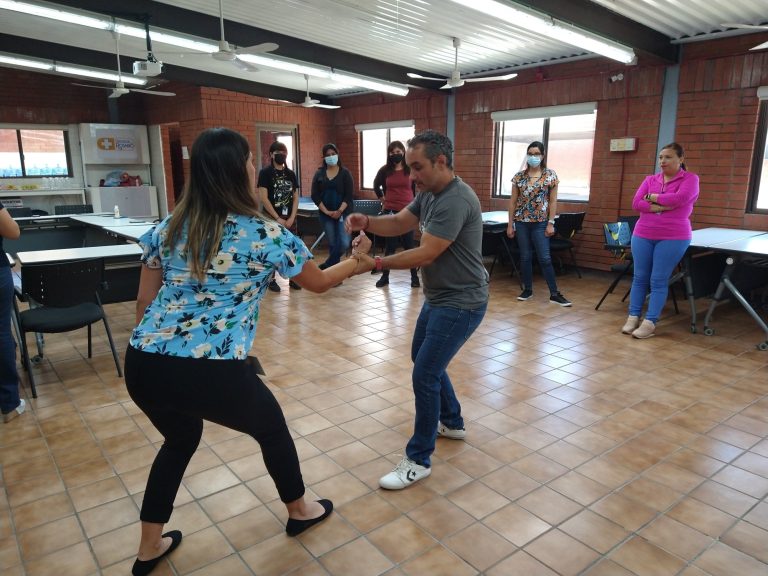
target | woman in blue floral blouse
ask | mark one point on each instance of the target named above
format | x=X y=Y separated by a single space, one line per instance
x=206 y=269
x=532 y=212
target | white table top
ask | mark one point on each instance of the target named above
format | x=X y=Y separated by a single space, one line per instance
x=132 y=231
x=107 y=219
x=496 y=217
x=756 y=245
x=711 y=237
x=62 y=254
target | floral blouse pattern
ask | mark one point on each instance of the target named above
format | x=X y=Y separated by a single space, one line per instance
x=533 y=195
x=215 y=318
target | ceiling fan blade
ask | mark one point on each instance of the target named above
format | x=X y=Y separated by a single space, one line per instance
x=155 y=92
x=745 y=26
x=491 y=78
x=115 y=94
x=258 y=48
x=92 y=86
x=449 y=85
x=420 y=77
x=329 y=106
x=243 y=65
x=760 y=46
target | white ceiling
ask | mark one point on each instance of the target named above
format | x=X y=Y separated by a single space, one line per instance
x=414 y=34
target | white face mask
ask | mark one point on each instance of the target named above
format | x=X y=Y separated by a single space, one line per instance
x=332 y=160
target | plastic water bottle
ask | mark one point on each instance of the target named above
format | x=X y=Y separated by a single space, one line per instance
x=117 y=211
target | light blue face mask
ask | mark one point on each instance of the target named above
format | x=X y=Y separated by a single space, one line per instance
x=533 y=161
x=332 y=160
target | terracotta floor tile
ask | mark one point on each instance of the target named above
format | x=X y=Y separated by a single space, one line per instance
x=677 y=538
x=251 y=527
x=701 y=517
x=646 y=559
x=722 y=560
x=200 y=549
x=479 y=546
x=356 y=557
x=516 y=524
x=748 y=539
x=627 y=513
x=440 y=518
x=550 y=506
x=401 y=539
x=42 y=511
x=50 y=537
x=437 y=561
x=477 y=499
x=726 y=499
x=594 y=530
x=563 y=554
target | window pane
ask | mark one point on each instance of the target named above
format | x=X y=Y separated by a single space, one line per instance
x=10 y=159
x=762 y=192
x=374 y=154
x=44 y=152
x=402 y=134
x=571 y=142
x=518 y=134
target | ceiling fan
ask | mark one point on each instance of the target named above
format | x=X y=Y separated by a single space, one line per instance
x=228 y=53
x=119 y=89
x=455 y=80
x=310 y=102
x=749 y=27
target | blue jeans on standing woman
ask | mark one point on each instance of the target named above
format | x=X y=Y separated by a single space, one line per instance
x=338 y=239
x=9 y=377
x=530 y=235
x=653 y=261
x=440 y=333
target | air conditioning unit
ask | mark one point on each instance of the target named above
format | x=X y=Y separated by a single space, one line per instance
x=146 y=68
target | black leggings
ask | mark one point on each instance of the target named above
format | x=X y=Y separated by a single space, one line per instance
x=391 y=243
x=177 y=394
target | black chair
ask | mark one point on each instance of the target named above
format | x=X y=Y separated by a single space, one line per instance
x=371 y=208
x=497 y=245
x=618 y=238
x=62 y=296
x=73 y=209
x=20 y=212
x=566 y=226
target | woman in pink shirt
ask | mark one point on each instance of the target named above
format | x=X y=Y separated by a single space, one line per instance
x=661 y=236
x=393 y=184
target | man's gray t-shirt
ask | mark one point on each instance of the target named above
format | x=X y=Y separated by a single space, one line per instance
x=457 y=278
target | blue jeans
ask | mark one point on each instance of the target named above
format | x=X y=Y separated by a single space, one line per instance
x=338 y=239
x=654 y=261
x=530 y=235
x=439 y=334
x=9 y=378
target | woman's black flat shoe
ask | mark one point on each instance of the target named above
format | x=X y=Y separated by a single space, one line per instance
x=296 y=527
x=144 y=567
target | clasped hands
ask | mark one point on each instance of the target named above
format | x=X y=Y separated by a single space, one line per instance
x=361 y=245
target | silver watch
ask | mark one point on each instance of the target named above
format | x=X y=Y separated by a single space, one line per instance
x=551 y=221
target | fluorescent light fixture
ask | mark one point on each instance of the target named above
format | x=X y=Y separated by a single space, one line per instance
x=54 y=14
x=25 y=62
x=99 y=74
x=197 y=45
x=551 y=28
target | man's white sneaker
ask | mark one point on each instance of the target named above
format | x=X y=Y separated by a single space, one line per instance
x=452 y=433
x=16 y=411
x=405 y=473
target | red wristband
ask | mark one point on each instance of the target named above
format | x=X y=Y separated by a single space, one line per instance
x=379 y=264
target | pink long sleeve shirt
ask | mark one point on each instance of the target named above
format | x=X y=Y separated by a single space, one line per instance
x=680 y=193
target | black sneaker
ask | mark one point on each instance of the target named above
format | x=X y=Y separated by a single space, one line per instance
x=525 y=294
x=293 y=285
x=558 y=298
x=274 y=286
x=383 y=281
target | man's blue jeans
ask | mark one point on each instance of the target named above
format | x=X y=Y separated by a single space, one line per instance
x=338 y=239
x=439 y=334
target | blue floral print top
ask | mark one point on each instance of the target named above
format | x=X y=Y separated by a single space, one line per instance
x=533 y=195
x=215 y=318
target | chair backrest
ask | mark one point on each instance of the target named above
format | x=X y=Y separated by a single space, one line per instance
x=20 y=212
x=73 y=209
x=370 y=207
x=568 y=223
x=63 y=284
x=617 y=234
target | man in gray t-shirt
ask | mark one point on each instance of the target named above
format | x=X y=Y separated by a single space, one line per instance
x=448 y=214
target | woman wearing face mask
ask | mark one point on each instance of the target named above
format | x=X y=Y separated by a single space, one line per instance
x=332 y=192
x=532 y=211
x=661 y=236
x=393 y=184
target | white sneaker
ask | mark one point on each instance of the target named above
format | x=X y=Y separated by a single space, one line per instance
x=452 y=433
x=405 y=473
x=16 y=411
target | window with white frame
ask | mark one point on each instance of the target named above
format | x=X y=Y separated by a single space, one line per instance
x=758 y=181
x=568 y=133
x=374 y=139
x=34 y=153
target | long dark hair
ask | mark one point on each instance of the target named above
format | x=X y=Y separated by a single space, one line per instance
x=330 y=146
x=540 y=146
x=678 y=150
x=219 y=183
x=396 y=145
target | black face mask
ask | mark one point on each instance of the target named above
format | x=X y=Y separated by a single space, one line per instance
x=280 y=159
x=396 y=158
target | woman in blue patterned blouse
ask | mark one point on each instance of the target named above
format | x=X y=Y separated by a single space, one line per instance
x=206 y=269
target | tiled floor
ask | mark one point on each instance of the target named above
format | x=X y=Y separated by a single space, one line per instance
x=587 y=452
